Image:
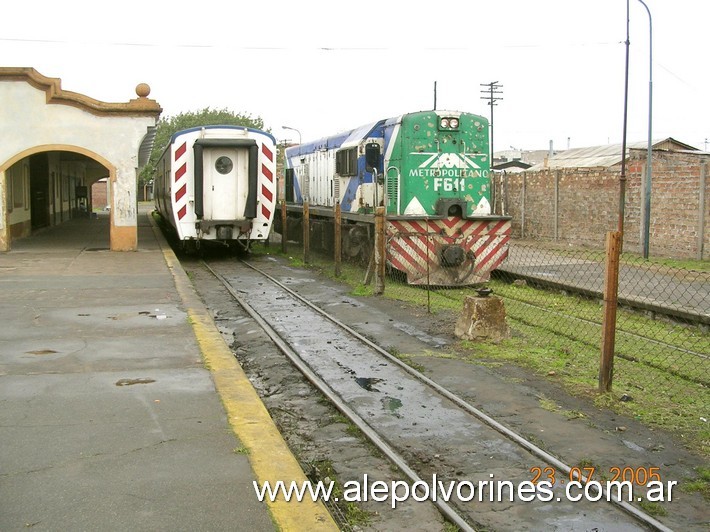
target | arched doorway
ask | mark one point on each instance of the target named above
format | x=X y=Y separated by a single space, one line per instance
x=46 y=187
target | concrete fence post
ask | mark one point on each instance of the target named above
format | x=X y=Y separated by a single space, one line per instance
x=701 y=209
x=642 y=211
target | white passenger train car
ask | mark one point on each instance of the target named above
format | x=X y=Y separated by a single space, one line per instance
x=218 y=183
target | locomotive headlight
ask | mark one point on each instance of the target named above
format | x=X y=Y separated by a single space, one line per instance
x=448 y=122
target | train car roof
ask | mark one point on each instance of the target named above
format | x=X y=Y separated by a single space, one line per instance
x=198 y=128
x=343 y=139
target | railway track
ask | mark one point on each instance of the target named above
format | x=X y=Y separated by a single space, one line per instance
x=411 y=419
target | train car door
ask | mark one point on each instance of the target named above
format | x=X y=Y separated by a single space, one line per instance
x=226 y=182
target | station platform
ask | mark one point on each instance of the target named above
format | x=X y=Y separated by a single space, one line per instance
x=109 y=416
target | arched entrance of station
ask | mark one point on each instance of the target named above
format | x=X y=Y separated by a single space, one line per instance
x=49 y=185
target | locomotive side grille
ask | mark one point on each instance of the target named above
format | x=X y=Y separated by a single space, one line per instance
x=336 y=188
x=306 y=183
x=392 y=191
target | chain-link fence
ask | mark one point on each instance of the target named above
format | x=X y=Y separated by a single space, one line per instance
x=553 y=297
x=663 y=318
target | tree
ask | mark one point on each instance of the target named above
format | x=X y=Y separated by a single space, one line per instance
x=167 y=127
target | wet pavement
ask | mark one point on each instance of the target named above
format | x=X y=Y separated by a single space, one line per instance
x=108 y=418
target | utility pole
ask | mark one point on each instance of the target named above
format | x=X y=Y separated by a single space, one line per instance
x=492 y=94
x=649 y=159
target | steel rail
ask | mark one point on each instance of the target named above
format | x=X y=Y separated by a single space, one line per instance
x=326 y=390
x=502 y=429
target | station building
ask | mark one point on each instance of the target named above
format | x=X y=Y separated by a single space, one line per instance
x=57 y=144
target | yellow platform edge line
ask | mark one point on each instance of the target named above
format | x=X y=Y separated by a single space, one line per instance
x=269 y=455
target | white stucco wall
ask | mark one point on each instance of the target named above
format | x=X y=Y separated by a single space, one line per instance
x=28 y=121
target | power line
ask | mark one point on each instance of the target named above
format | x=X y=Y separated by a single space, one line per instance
x=289 y=47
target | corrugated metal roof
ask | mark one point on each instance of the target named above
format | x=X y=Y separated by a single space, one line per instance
x=146 y=146
x=603 y=156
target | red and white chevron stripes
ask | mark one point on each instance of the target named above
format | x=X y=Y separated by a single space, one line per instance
x=180 y=180
x=415 y=247
x=267 y=190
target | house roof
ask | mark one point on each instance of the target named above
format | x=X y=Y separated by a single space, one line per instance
x=512 y=165
x=606 y=156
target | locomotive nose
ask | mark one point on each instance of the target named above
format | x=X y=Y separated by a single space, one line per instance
x=452 y=256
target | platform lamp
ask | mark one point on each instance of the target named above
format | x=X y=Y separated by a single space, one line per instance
x=294 y=129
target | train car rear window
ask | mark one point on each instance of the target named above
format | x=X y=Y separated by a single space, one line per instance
x=224 y=165
x=346 y=162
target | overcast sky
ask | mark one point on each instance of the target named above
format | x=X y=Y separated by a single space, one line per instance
x=323 y=66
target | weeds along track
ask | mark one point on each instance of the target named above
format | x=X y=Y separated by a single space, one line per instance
x=410 y=418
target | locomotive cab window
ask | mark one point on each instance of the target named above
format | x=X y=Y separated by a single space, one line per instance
x=346 y=162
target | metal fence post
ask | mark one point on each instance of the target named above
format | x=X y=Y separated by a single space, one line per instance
x=337 y=238
x=522 y=206
x=556 y=209
x=306 y=233
x=611 y=300
x=380 y=257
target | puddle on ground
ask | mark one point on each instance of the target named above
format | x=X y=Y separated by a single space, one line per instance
x=42 y=352
x=130 y=382
x=632 y=445
x=128 y=315
x=391 y=405
x=366 y=383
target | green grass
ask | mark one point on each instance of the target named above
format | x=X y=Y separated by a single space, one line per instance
x=349 y=515
x=653 y=508
x=635 y=259
x=669 y=347
x=701 y=484
x=659 y=398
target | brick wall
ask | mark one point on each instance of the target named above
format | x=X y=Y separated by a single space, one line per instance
x=580 y=205
x=99 y=195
